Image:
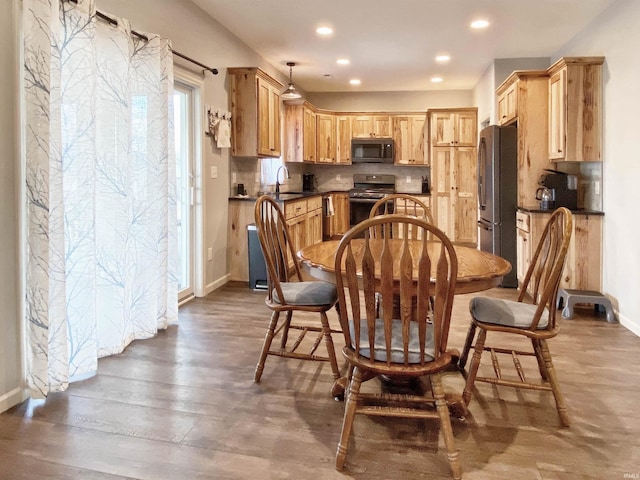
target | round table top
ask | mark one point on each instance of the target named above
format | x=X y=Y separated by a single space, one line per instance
x=477 y=270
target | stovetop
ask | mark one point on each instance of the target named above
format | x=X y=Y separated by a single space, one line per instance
x=374 y=193
x=372 y=186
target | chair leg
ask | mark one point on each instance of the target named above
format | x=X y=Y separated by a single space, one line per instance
x=266 y=346
x=447 y=430
x=467 y=346
x=555 y=385
x=285 y=330
x=541 y=365
x=326 y=329
x=475 y=363
x=349 y=415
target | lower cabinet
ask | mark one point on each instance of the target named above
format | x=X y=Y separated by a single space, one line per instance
x=582 y=269
x=304 y=219
x=337 y=224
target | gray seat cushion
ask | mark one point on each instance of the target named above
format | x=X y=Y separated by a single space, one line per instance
x=506 y=312
x=307 y=293
x=397 y=352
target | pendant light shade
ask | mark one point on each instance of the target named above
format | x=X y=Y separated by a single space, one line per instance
x=290 y=92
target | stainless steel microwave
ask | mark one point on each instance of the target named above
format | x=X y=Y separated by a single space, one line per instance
x=372 y=150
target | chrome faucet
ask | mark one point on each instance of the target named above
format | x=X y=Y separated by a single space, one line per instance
x=278 y=177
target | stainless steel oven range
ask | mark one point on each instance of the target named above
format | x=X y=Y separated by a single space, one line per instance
x=367 y=190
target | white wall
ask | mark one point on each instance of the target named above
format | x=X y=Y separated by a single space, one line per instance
x=10 y=365
x=615 y=35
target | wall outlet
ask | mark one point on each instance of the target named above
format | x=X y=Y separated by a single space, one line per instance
x=214 y=172
x=596 y=187
x=408 y=179
x=337 y=177
x=234 y=178
x=210 y=254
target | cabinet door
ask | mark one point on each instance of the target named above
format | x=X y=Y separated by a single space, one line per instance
x=361 y=126
x=417 y=125
x=557 y=115
x=341 y=209
x=297 y=231
x=313 y=227
x=442 y=129
x=309 y=133
x=381 y=125
x=442 y=189
x=466 y=127
x=402 y=141
x=507 y=105
x=268 y=119
x=326 y=136
x=465 y=198
x=523 y=248
x=343 y=137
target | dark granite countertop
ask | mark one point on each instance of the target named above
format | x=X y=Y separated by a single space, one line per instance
x=579 y=211
x=285 y=196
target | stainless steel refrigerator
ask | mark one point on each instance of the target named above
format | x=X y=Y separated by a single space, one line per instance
x=498 y=194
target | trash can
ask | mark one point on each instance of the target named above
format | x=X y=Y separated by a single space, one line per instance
x=257 y=266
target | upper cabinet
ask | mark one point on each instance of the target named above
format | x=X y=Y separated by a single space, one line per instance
x=326 y=138
x=575 y=109
x=371 y=126
x=255 y=113
x=507 y=95
x=409 y=139
x=343 y=139
x=300 y=132
x=453 y=128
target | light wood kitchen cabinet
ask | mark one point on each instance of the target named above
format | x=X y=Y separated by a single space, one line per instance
x=575 y=109
x=337 y=224
x=300 y=132
x=507 y=103
x=453 y=127
x=530 y=94
x=343 y=139
x=453 y=192
x=409 y=140
x=582 y=269
x=255 y=113
x=454 y=183
x=326 y=138
x=313 y=221
x=370 y=126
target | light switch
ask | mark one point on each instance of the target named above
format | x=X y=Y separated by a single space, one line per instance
x=209 y=254
x=338 y=178
x=234 y=179
x=596 y=187
x=214 y=172
x=408 y=179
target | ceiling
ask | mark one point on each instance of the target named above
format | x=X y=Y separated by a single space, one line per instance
x=392 y=45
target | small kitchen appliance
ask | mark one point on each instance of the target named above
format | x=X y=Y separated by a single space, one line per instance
x=308 y=182
x=545 y=195
x=241 y=190
x=564 y=188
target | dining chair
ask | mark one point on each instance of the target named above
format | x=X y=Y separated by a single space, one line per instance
x=533 y=315
x=288 y=293
x=405 y=340
x=401 y=203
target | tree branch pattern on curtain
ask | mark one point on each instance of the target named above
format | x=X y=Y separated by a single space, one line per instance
x=100 y=190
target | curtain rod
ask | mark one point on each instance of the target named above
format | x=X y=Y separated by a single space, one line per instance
x=114 y=22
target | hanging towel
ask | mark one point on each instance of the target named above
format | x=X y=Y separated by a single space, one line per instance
x=223 y=134
x=330 y=211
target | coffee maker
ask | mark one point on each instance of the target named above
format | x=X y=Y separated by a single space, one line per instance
x=308 y=182
x=563 y=188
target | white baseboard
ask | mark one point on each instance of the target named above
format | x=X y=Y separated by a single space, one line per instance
x=629 y=324
x=217 y=284
x=12 y=398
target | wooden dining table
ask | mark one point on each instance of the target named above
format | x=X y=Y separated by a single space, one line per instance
x=477 y=271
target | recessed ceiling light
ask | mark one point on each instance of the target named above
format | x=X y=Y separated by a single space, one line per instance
x=443 y=58
x=479 y=24
x=436 y=79
x=354 y=81
x=343 y=61
x=324 y=31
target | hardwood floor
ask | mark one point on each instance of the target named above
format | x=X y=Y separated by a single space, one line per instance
x=183 y=405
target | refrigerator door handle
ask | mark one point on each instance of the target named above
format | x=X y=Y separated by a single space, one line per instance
x=482 y=197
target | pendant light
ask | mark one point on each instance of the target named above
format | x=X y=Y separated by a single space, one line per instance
x=290 y=92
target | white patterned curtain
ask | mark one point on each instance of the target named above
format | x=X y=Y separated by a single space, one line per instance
x=100 y=183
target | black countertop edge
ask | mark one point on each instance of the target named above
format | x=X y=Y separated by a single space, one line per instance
x=579 y=211
x=298 y=195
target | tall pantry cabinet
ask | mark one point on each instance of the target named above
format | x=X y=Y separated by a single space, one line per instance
x=453 y=135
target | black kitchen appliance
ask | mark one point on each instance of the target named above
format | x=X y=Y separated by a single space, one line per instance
x=372 y=150
x=367 y=190
x=498 y=194
x=308 y=182
x=545 y=195
x=564 y=188
x=425 y=185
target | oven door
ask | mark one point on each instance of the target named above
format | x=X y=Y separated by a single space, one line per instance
x=359 y=209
